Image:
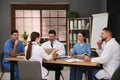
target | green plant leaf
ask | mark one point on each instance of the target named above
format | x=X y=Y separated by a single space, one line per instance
x=25 y=35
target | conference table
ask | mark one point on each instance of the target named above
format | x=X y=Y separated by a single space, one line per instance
x=60 y=62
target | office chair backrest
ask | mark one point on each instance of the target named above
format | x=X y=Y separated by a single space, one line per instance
x=1 y=58
x=1 y=72
x=116 y=75
x=1 y=66
x=94 y=54
x=29 y=70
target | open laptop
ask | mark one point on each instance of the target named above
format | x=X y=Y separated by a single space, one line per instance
x=49 y=50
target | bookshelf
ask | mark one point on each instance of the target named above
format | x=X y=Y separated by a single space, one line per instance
x=76 y=25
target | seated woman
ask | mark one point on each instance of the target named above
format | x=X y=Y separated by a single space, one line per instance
x=34 y=52
x=78 y=49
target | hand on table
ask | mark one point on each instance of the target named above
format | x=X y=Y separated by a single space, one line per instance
x=87 y=58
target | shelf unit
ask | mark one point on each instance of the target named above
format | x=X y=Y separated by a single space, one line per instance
x=76 y=25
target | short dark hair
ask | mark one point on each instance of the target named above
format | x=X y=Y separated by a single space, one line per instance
x=14 y=31
x=52 y=32
x=108 y=30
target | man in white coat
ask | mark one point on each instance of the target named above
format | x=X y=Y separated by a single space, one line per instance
x=54 y=43
x=109 y=56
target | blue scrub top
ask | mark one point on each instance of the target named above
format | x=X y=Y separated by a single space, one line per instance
x=80 y=49
x=8 y=47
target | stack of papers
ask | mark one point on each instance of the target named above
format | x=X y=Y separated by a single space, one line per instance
x=61 y=57
x=20 y=56
x=75 y=60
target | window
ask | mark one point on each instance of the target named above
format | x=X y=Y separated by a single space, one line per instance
x=27 y=20
x=40 y=18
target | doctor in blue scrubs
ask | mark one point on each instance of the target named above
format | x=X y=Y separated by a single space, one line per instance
x=78 y=49
x=12 y=48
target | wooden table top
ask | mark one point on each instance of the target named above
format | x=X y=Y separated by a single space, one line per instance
x=64 y=62
x=15 y=59
x=59 y=61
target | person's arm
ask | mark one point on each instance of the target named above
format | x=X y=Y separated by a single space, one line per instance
x=61 y=50
x=88 y=54
x=105 y=55
x=44 y=55
x=14 y=50
x=22 y=49
x=99 y=44
x=22 y=53
x=53 y=53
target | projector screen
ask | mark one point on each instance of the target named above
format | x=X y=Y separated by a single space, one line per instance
x=99 y=21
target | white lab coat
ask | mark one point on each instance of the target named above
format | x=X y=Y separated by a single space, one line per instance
x=38 y=54
x=110 y=58
x=56 y=44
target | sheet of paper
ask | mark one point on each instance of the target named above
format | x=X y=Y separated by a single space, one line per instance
x=74 y=60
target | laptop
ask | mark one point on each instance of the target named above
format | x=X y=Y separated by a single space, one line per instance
x=49 y=50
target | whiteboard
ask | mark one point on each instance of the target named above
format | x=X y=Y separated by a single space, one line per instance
x=99 y=21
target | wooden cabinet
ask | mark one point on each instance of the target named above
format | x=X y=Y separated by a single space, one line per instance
x=76 y=25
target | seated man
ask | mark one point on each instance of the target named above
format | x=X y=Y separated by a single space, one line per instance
x=109 y=56
x=54 y=43
x=12 y=48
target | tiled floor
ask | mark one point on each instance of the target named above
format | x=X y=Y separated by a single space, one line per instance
x=65 y=72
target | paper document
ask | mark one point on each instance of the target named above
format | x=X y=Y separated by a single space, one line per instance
x=20 y=56
x=74 y=60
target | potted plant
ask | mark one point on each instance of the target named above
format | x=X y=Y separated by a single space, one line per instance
x=72 y=14
x=25 y=37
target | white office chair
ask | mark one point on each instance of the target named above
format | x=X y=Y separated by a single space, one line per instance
x=29 y=70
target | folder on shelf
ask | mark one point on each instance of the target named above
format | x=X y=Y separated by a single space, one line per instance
x=75 y=24
x=74 y=37
x=79 y=24
x=87 y=25
x=87 y=40
x=83 y=24
x=71 y=24
x=70 y=37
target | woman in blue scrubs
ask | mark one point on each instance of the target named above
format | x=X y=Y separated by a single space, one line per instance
x=81 y=47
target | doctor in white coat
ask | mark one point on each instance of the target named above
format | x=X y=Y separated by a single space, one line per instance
x=34 y=52
x=54 y=43
x=109 y=56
